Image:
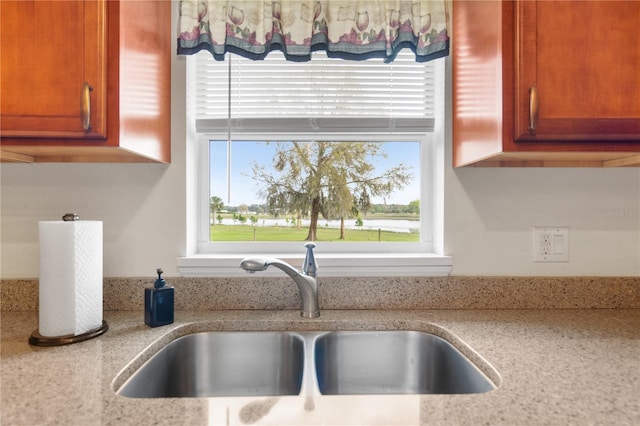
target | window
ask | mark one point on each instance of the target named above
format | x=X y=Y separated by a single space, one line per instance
x=326 y=191
x=243 y=111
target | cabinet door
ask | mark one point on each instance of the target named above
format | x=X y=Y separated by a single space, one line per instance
x=579 y=61
x=49 y=50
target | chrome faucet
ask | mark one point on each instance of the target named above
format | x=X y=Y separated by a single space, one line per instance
x=307 y=281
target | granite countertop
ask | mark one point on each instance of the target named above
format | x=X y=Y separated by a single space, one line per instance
x=553 y=367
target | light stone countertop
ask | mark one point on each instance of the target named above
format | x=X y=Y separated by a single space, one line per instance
x=555 y=367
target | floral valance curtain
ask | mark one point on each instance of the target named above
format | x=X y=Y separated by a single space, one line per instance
x=349 y=29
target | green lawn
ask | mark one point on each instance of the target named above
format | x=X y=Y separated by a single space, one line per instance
x=281 y=233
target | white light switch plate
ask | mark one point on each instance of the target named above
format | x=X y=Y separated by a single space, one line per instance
x=550 y=243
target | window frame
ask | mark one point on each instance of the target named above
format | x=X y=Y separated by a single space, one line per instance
x=425 y=258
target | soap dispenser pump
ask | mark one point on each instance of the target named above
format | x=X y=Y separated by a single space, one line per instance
x=158 y=303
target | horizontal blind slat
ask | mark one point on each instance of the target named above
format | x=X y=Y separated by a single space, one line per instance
x=322 y=88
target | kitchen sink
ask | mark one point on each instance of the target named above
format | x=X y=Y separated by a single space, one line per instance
x=393 y=362
x=222 y=364
x=274 y=363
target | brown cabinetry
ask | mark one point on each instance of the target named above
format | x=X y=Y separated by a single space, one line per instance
x=85 y=81
x=546 y=83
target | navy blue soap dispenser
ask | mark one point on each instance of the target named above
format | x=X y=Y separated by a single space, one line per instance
x=158 y=303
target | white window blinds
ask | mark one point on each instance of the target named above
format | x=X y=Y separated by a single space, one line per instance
x=323 y=95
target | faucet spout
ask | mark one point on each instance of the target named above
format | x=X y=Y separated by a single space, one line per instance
x=306 y=281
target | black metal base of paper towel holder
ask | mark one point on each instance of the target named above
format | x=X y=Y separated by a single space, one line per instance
x=37 y=339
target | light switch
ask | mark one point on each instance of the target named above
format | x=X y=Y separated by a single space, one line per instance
x=558 y=244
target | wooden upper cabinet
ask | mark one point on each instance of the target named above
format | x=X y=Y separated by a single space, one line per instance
x=44 y=69
x=578 y=70
x=85 y=81
x=540 y=83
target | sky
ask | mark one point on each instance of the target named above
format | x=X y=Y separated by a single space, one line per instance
x=244 y=190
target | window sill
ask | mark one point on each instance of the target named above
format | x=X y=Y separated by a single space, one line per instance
x=329 y=265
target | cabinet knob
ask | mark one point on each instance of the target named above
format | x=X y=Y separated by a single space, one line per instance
x=533 y=109
x=85 y=106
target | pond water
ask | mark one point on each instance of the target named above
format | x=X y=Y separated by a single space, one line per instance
x=392 y=225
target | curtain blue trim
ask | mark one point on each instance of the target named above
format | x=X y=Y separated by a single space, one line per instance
x=318 y=42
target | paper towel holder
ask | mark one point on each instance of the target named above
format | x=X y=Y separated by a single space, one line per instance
x=37 y=339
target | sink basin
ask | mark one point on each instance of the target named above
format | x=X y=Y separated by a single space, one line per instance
x=222 y=364
x=393 y=362
x=274 y=363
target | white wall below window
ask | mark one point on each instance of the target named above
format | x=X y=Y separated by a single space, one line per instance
x=489 y=216
x=489 y=213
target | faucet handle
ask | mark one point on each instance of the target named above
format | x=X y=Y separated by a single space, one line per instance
x=310 y=266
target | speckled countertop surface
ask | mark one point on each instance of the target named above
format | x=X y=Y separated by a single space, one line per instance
x=555 y=367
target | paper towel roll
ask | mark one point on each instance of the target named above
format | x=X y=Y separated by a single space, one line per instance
x=70 y=287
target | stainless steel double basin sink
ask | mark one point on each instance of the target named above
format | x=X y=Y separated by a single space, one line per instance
x=267 y=363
